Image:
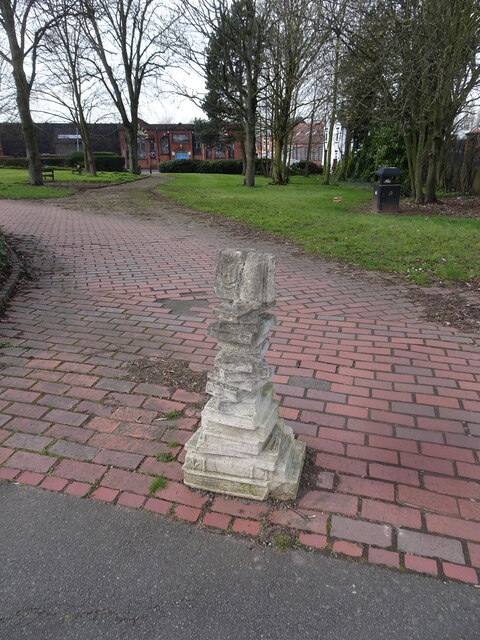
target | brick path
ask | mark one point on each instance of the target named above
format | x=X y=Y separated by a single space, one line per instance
x=390 y=403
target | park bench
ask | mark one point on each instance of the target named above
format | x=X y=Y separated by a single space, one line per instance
x=48 y=173
x=78 y=169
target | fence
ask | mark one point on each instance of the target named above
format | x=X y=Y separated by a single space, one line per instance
x=462 y=167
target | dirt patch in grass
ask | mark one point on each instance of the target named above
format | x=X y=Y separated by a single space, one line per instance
x=451 y=207
x=168 y=372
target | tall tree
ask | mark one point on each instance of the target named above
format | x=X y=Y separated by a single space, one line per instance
x=416 y=63
x=232 y=54
x=296 y=35
x=69 y=79
x=24 y=24
x=134 y=43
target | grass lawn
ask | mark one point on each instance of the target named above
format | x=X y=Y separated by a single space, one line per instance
x=14 y=183
x=423 y=249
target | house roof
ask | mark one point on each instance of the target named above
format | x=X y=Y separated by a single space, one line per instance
x=301 y=133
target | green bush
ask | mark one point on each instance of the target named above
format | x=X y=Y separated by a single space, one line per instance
x=54 y=161
x=298 y=168
x=76 y=158
x=201 y=166
x=21 y=163
x=263 y=167
x=104 y=160
x=108 y=161
x=230 y=167
x=10 y=161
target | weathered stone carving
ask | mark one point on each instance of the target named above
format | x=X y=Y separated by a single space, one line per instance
x=242 y=447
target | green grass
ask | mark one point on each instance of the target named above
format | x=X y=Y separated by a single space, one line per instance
x=423 y=249
x=14 y=183
x=165 y=457
x=171 y=415
x=282 y=541
x=160 y=482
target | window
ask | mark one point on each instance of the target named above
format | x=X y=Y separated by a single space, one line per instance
x=180 y=138
x=219 y=151
x=208 y=153
x=165 y=146
x=197 y=146
x=231 y=151
x=152 y=149
x=142 y=150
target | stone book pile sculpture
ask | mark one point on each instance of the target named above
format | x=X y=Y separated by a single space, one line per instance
x=242 y=447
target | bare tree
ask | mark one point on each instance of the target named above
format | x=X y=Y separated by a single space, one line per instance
x=134 y=43
x=7 y=90
x=24 y=24
x=68 y=78
x=296 y=34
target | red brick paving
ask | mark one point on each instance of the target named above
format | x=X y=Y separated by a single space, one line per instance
x=390 y=403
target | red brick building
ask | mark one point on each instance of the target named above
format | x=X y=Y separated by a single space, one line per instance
x=300 y=138
x=162 y=142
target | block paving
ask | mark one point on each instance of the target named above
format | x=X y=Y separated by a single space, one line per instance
x=389 y=403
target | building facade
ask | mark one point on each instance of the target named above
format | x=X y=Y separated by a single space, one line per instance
x=300 y=138
x=163 y=142
x=58 y=138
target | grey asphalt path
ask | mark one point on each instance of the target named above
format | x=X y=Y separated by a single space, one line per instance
x=76 y=569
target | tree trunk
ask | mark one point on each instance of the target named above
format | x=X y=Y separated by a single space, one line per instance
x=87 y=145
x=286 y=172
x=30 y=136
x=431 y=184
x=244 y=155
x=326 y=169
x=23 y=90
x=415 y=147
x=277 y=169
x=131 y=135
x=250 y=122
x=249 y=180
x=306 y=172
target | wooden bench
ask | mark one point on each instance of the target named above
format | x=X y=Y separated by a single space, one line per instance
x=48 y=173
x=78 y=169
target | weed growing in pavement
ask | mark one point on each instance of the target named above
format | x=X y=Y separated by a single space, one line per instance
x=160 y=482
x=282 y=541
x=173 y=444
x=171 y=415
x=165 y=457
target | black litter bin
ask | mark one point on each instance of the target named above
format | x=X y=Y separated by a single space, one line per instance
x=386 y=190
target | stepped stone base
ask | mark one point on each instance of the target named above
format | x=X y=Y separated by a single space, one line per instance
x=246 y=477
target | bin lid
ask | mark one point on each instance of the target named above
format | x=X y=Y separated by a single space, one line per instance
x=388 y=171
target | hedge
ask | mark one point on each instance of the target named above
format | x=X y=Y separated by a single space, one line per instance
x=104 y=160
x=21 y=163
x=298 y=168
x=232 y=167
x=201 y=166
x=10 y=161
